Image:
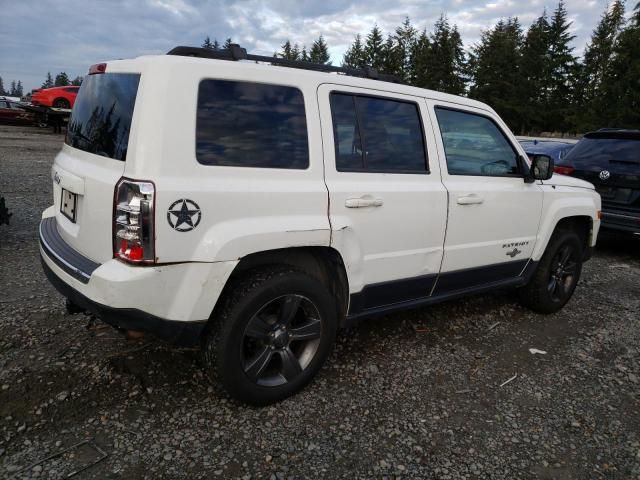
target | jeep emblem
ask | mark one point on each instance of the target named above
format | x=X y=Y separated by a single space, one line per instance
x=604 y=175
x=57 y=178
x=184 y=215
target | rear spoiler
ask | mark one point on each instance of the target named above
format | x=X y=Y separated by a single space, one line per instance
x=621 y=134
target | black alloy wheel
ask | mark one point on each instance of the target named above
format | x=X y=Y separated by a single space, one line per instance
x=556 y=275
x=280 y=340
x=562 y=278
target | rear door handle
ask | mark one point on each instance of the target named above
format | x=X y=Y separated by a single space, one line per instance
x=471 y=199
x=361 y=202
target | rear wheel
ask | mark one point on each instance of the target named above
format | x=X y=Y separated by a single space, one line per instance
x=271 y=336
x=61 y=103
x=557 y=275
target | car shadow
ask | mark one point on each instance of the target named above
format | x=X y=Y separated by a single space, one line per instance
x=618 y=244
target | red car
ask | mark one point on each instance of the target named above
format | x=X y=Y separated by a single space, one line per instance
x=59 y=97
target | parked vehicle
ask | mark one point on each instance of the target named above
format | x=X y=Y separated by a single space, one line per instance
x=13 y=113
x=9 y=98
x=266 y=207
x=555 y=149
x=610 y=159
x=58 y=97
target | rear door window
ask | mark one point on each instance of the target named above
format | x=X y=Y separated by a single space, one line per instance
x=373 y=134
x=246 y=124
x=102 y=115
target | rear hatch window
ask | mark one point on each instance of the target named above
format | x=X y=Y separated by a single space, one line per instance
x=101 y=117
x=610 y=153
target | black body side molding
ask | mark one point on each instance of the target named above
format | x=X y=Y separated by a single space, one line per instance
x=387 y=297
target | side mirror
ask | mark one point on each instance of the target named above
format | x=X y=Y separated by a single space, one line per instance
x=541 y=167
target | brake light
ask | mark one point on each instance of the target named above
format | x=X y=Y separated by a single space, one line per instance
x=97 y=68
x=133 y=218
x=563 y=170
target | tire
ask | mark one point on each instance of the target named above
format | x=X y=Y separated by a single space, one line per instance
x=272 y=334
x=61 y=103
x=557 y=274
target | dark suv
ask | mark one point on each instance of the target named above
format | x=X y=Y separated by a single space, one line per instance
x=610 y=159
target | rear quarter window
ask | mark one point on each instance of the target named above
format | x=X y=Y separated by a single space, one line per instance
x=102 y=114
x=246 y=124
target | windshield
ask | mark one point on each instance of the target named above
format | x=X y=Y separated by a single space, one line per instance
x=101 y=117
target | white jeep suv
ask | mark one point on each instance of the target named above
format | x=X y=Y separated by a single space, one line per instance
x=254 y=209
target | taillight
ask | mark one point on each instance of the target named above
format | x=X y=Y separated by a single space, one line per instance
x=97 y=68
x=133 y=232
x=563 y=170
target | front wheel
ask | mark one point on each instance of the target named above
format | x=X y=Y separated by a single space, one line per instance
x=271 y=335
x=557 y=275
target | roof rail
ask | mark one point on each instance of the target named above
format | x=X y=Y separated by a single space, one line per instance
x=236 y=52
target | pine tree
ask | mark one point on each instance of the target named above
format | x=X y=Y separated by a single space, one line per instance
x=12 y=90
x=319 y=52
x=304 y=56
x=19 y=91
x=562 y=70
x=207 y=43
x=62 y=80
x=355 y=56
x=421 y=62
x=48 y=83
x=295 y=52
x=534 y=72
x=621 y=88
x=442 y=62
x=401 y=53
x=227 y=44
x=2 y=91
x=391 y=58
x=287 y=52
x=374 y=49
x=493 y=64
x=590 y=99
x=77 y=81
x=216 y=44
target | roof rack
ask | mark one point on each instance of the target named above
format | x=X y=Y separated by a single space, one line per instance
x=235 y=52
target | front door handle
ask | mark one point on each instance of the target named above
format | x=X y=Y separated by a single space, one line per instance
x=361 y=202
x=471 y=199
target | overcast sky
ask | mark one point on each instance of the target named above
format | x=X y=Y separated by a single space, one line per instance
x=37 y=36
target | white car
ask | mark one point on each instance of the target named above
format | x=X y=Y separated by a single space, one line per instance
x=265 y=207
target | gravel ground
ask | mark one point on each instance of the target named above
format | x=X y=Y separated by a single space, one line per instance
x=409 y=395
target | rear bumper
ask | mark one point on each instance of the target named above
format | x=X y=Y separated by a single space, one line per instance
x=181 y=333
x=622 y=221
x=172 y=302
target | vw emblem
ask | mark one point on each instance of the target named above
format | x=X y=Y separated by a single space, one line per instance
x=184 y=215
x=604 y=175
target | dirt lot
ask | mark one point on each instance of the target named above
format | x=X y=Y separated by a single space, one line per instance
x=412 y=395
